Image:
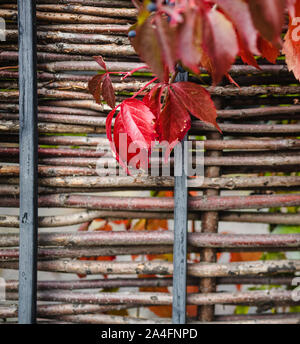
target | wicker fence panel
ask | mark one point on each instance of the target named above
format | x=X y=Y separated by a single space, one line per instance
x=251 y=177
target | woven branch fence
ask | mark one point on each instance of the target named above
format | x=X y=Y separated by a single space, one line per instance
x=251 y=177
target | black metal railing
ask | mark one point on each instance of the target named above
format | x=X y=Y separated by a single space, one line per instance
x=180 y=235
x=28 y=161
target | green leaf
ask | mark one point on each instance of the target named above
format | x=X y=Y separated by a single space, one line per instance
x=241 y=310
x=273 y=256
x=295 y=309
x=282 y=229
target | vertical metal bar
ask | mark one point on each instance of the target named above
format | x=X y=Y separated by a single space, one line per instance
x=180 y=236
x=28 y=161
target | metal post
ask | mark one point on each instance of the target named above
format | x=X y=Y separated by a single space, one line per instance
x=180 y=236
x=28 y=161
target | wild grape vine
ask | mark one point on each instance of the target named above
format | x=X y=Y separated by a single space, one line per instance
x=195 y=35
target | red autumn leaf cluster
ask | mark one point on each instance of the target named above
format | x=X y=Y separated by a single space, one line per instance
x=195 y=35
x=209 y=34
x=163 y=115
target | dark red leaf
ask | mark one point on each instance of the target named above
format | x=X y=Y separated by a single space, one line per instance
x=268 y=18
x=138 y=122
x=174 y=121
x=148 y=47
x=108 y=92
x=153 y=101
x=248 y=58
x=219 y=42
x=231 y=80
x=197 y=101
x=100 y=61
x=239 y=13
x=268 y=50
x=95 y=87
x=190 y=41
x=123 y=156
x=166 y=37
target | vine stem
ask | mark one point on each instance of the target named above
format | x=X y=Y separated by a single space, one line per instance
x=133 y=71
x=144 y=87
x=173 y=77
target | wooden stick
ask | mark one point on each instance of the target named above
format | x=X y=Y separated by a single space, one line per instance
x=90 y=10
x=160 y=268
x=241 y=144
x=89 y=215
x=87 y=28
x=233 y=183
x=144 y=238
x=9 y=255
x=68 y=37
x=12 y=285
x=65 y=18
x=128 y=66
x=50 y=310
x=198 y=127
x=102 y=3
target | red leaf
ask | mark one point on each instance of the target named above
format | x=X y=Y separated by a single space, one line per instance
x=95 y=87
x=291 y=7
x=239 y=13
x=166 y=37
x=109 y=120
x=108 y=92
x=197 y=101
x=219 y=42
x=174 y=120
x=248 y=58
x=100 y=61
x=268 y=50
x=231 y=80
x=138 y=122
x=268 y=18
x=190 y=41
x=148 y=47
x=291 y=47
x=153 y=101
x=123 y=155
